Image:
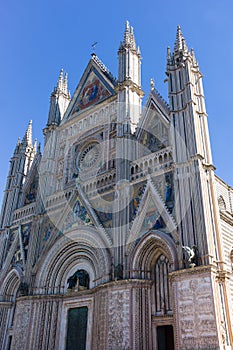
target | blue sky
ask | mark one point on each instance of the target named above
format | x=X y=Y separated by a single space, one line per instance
x=38 y=38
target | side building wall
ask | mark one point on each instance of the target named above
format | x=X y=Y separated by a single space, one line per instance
x=225 y=201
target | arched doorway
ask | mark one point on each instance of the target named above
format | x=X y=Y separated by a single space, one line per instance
x=162 y=313
x=154 y=258
x=8 y=295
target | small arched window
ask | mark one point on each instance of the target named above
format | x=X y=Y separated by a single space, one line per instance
x=222 y=204
x=162 y=289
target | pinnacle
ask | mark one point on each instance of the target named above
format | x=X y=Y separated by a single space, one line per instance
x=62 y=83
x=27 y=139
x=129 y=39
x=60 y=79
x=180 y=44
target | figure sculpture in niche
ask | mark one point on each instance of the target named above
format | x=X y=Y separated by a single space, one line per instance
x=79 y=280
x=118 y=272
x=23 y=289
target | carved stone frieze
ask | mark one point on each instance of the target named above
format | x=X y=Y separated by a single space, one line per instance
x=21 y=324
x=119 y=316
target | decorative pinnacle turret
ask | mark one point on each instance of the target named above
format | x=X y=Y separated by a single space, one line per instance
x=17 y=145
x=60 y=80
x=62 y=84
x=180 y=44
x=168 y=53
x=35 y=146
x=193 y=56
x=27 y=139
x=129 y=39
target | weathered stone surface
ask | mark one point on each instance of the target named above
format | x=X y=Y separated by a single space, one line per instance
x=194 y=309
x=21 y=325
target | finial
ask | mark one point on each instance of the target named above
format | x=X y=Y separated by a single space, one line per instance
x=168 y=53
x=94 y=47
x=132 y=39
x=152 y=84
x=35 y=145
x=180 y=44
x=17 y=145
x=38 y=148
x=27 y=139
x=184 y=46
x=129 y=39
x=60 y=80
x=65 y=84
x=193 y=56
x=62 y=84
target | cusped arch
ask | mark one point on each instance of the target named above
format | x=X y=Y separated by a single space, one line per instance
x=78 y=249
x=10 y=283
x=148 y=250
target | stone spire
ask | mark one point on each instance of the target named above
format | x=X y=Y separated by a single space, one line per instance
x=59 y=100
x=191 y=148
x=17 y=146
x=65 y=85
x=62 y=84
x=129 y=58
x=180 y=44
x=20 y=165
x=129 y=79
x=27 y=139
x=60 y=80
x=129 y=39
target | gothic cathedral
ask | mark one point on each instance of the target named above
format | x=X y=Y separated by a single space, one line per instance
x=118 y=235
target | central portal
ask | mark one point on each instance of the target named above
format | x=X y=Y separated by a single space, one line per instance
x=77 y=328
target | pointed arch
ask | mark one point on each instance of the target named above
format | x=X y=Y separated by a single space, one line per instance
x=154 y=258
x=10 y=284
x=150 y=247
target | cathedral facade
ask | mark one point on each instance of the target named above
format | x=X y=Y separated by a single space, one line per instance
x=118 y=235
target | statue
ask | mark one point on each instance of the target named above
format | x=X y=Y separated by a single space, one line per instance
x=152 y=84
x=79 y=279
x=23 y=289
x=118 y=272
x=192 y=254
x=72 y=281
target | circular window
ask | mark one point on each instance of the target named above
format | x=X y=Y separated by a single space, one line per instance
x=88 y=156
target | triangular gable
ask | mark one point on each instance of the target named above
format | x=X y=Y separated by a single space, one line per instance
x=31 y=185
x=77 y=213
x=153 y=128
x=32 y=188
x=96 y=85
x=14 y=238
x=17 y=248
x=77 y=216
x=153 y=110
x=151 y=215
